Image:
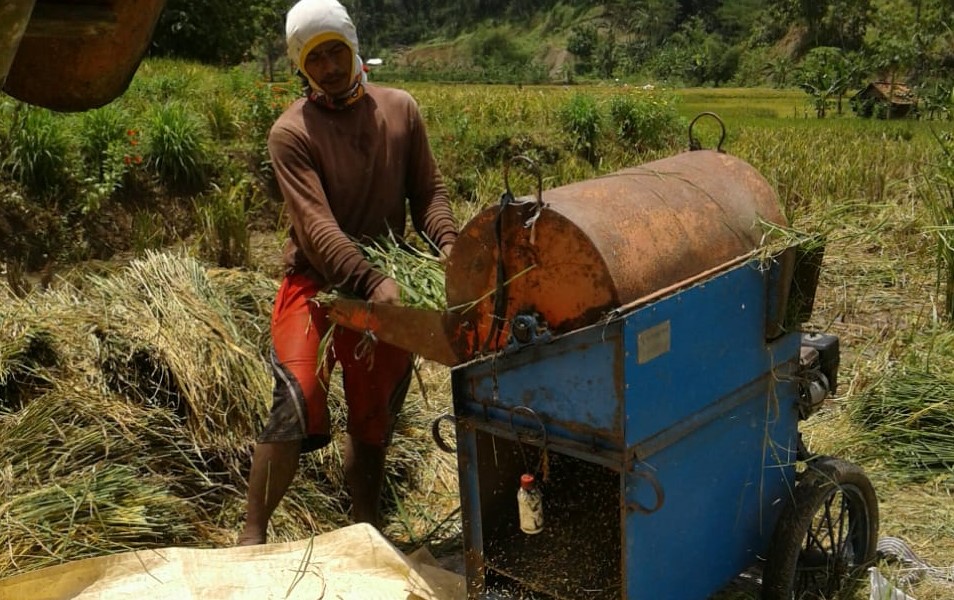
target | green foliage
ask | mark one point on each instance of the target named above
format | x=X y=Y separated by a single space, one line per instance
x=825 y=73
x=114 y=169
x=580 y=118
x=645 y=122
x=224 y=219
x=38 y=151
x=688 y=41
x=148 y=232
x=582 y=41
x=175 y=147
x=936 y=100
x=98 y=130
x=939 y=198
x=221 y=115
x=497 y=48
x=694 y=57
x=265 y=104
x=218 y=32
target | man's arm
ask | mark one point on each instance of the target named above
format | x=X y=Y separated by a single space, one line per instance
x=332 y=253
x=429 y=201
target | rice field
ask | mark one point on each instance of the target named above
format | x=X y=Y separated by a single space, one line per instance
x=130 y=397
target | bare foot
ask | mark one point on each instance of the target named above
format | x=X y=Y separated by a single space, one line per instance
x=249 y=539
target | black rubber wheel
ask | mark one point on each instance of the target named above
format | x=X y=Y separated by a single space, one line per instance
x=826 y=537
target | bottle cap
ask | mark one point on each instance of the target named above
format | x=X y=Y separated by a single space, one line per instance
x=526 y=481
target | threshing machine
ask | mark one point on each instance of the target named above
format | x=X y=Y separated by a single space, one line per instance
x=633 y=344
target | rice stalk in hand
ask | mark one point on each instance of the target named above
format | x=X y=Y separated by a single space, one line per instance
x=419 y=275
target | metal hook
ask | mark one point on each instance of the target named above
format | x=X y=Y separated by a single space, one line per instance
x=533 y=168
x=533 y=415
x=657 y=490
x=436 y=433
x=695 y=144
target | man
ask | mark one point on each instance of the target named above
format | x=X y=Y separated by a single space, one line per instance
x=350 y=158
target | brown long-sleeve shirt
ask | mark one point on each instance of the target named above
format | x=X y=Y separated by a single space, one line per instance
x=354 y=172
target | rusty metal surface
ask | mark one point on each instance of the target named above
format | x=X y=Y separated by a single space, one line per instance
x=605 y=242
x=14 y=15
x=73 y=71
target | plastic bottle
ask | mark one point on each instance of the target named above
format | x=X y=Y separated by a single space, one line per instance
x=530 y=505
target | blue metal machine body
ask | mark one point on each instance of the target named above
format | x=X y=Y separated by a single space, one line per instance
x=665 y=436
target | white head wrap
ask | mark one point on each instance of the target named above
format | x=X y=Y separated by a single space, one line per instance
x=313 y=22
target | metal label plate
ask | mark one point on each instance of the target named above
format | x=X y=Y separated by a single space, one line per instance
x=653 y=342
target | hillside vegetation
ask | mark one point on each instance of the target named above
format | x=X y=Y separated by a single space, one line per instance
x=691 y=42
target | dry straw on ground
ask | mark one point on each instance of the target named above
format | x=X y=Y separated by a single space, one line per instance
x=128 y=408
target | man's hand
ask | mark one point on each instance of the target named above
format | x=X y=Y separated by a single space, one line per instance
x=387 y=292
x=445 y=251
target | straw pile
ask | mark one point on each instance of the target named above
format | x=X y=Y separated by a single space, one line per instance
x=129 y=404
x=907 y=418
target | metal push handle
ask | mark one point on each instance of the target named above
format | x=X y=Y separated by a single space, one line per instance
x=657 y=489
x=695 y=144
x=436 y=433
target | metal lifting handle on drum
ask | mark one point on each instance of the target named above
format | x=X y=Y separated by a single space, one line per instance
x=534 y=170
x=695 y=144
x=508 y=199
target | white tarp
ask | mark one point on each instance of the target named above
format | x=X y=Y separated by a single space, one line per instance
x=882 y=589
x=355 y=562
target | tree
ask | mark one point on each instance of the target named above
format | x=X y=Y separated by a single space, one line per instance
x=824 y=73
x=845 y=23
x=219 y=32
x=778 y=70
x=737 y=17
x=894 y=47
x=582 y=42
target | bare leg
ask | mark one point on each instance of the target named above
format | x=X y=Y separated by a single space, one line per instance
x=273 y=467
x=364 y=474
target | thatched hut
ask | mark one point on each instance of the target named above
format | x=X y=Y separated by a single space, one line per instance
x=885 y=100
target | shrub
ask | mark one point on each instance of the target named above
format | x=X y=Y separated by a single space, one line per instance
x=98 y=129
x=645 y=122
x=580 y=118
x=265 y=104
x=38 y=149
x=224 y=223
x=221 y=117
x=175 y=148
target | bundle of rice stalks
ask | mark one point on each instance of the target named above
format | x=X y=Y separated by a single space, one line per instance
x=249 y=297
x=908 y=418
x=88 y=473
x=166 y=338
x=419 y=274
x=22 y=356
x=90 y=512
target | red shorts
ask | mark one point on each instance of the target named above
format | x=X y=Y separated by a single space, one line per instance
x=375 y=377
